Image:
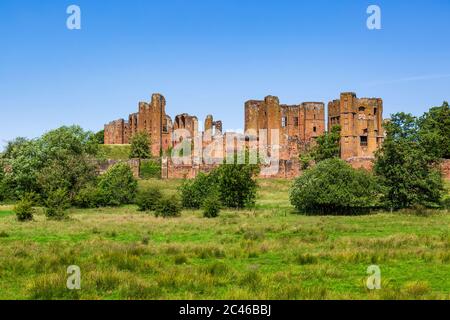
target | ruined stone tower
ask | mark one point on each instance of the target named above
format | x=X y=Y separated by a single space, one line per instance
x=151 y=118
x=361 y=123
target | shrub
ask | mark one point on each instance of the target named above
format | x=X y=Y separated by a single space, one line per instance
x=233 y=183
x=334 y=187
x=150 y=169
x=211 y=206
x=140 y=146
x=168 y=207
x=56 y=204
x=446 y=202
x=305 y=161
x=147 y=199
x=117 y=186
x=194 y=192
x=24 y=209
x=3 y=185
x=237 y=185
x=88 y=197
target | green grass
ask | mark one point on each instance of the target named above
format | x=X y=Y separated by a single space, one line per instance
x=6 y=213
x=115 y=152
x=265 y=253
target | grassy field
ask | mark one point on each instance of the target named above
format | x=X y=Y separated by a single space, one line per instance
x=116 y=151
x=265 y=253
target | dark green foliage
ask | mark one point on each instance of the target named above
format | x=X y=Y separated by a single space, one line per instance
x=446 y=202
x=327 y=145
x=150 y=169
x=24 y=208
x=100 y=137
x=305 y=160
x=117 y=186
x=140 y=146
x=88 y=197
x=237 y=185
x=406 y=169
x=434 y=131
x=168 y=207
x=4 y=190
x=234 y=184
x=194 y=192
x=147 y=199
x=211 y=206
x=334 y=187
x=71 y=174
x=61 y=158
x=56 y=204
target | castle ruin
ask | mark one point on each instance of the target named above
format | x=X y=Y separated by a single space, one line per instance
x=291 y=128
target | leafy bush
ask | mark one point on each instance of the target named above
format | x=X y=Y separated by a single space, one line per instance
x=140 y=146
x=150 y=169
x=194 y=192
x=234 y=184
x=24 y=209
x=446 y=202
x=56 y=204
x=305 y=161
x=117 y=186
x=100 y=137
x=237 y=185
x=88 y=197
x=147 y=199
x=168 y=207
x=211 y=206
x=3 y=185
x=334 y=187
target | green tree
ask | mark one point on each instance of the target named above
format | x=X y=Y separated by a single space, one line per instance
x=326 y=146
x=237 y=185
x=334 y=187
x=56 y=204
x=140 y=146
x=406 y=168
x=117 y=186
x=62 y=156
x=3 y=184
x=100 y=137
x=195 y=191
x=434 y=131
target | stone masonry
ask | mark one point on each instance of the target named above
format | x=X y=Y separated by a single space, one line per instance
x=297 y=127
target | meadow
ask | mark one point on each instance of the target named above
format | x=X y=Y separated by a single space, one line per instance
x=269 y=252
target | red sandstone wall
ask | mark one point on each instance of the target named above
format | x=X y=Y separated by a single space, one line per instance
x=445 y=167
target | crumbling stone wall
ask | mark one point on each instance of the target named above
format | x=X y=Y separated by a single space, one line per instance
x=298 y=125
x=445 y=168
x=151 y=118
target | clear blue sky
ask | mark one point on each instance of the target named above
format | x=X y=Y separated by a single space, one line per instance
x=211 y=56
